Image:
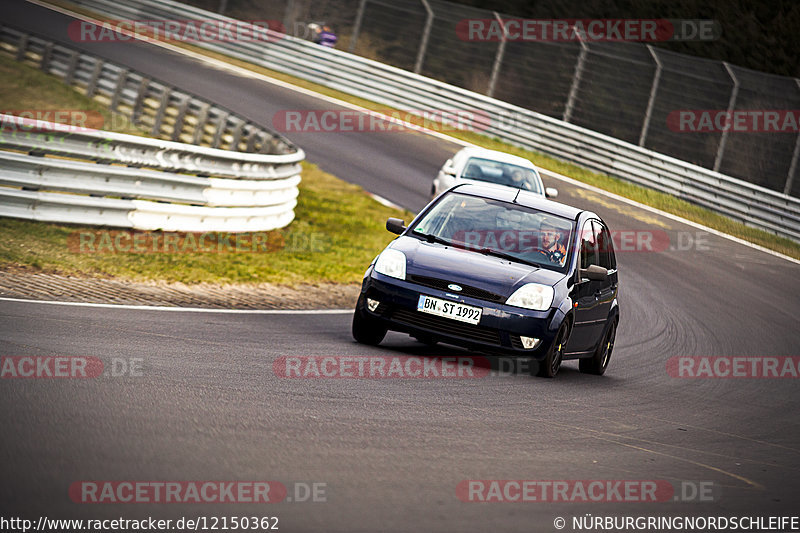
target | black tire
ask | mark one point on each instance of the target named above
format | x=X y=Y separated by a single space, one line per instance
x=597 y=363
x=548 y=367
x=366 y=330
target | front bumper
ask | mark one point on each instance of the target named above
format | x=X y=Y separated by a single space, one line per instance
x=498 y=331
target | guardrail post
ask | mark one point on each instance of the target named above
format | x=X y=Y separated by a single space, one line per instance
x=498 y=57
x=121 y=79
x=91 y=87
x=72 y=66
x=139 y=102
x=652 y=100
x=423 y=47
x=787 y=189
x=237 y=136
x=266 y=139
x=221 y=123
x=362 y=4
x=199 y=129
x=162 y=110
x=47 y=56
x=252 y=137
x=178 y=127
x=731 y=104
x=22 y=47
x=576 y=80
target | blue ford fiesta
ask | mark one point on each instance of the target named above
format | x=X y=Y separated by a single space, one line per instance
x=497 y=270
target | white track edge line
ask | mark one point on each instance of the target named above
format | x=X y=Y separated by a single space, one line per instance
x=185 y=309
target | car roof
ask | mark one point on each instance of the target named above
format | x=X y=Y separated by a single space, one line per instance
x=526 y=198
x=476 y=151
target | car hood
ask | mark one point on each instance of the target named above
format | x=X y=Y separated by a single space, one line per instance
x=457 y=265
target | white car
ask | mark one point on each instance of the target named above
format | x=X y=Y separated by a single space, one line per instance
x=473 y=164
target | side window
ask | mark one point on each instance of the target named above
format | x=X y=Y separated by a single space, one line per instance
x=605 y=246
x=588 y=246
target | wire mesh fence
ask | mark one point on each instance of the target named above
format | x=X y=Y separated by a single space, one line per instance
x=702 y=111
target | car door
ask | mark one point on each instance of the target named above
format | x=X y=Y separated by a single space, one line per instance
x=606 y=290
x=585 y=294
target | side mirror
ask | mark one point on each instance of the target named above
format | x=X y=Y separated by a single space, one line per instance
x=395 y=225
x=595 y=273
x=450 y=171
x=550 y=192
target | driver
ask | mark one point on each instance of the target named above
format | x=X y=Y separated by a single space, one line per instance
x=518 y=179
x=550 y=243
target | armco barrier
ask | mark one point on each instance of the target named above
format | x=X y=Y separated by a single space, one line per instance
x=753 y=205
x=165 y=185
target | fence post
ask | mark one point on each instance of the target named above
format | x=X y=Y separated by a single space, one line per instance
x=72 y=66
x=787 y=189
x=160 y=112
x=288 y=18
x=362 y=4
x=141 y=94
x=731 y=104
x=47 y=56
x=220 y=129
x=652 y=100
x=91 y=86
x=122 y=78
x=576 y=80
x=423 y=46
x=177 y=129
x=498 y=57
x=22 y=47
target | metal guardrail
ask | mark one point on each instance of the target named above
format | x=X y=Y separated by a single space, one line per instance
x=166 y=185
x=753 y=205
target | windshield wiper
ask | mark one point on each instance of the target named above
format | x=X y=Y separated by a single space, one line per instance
x=432 y=238
x=503 y=255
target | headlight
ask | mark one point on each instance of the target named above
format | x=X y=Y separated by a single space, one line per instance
x=391 y=263
x=532 y=296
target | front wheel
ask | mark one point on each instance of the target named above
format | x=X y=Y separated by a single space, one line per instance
x=597 y=363
x=548 y=367
x=367 y=330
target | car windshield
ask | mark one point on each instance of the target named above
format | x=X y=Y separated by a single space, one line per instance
x=503 y=229
x=480 y=169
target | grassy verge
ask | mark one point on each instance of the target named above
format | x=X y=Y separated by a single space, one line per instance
x=337 y=231
x=643 y=195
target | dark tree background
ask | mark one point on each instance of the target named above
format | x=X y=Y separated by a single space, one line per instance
x=762 y=35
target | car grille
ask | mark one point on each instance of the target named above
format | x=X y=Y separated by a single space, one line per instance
x=445 y=325
x=466 y=290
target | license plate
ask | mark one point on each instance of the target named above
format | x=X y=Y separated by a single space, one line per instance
x=453 y=310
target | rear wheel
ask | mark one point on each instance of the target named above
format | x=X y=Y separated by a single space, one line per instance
x=367 y=330
x=548 y=367
x=597 y=363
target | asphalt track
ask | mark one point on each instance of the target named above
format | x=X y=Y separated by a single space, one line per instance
x=208 y=405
